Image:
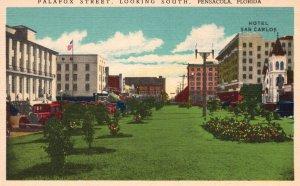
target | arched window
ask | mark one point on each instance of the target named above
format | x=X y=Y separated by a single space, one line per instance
x=281 y=65
x=277 y=65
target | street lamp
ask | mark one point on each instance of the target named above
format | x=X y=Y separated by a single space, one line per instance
x=61 y=93
x=204 y=56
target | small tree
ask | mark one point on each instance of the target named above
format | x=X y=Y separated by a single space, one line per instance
x=88 y=123
x=58 y=144
x=213 y=106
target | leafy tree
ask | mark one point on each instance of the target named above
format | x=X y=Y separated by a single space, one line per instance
x=88 y=127
x=58 y=143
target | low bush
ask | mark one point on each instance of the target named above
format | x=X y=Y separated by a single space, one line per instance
x=235 y=130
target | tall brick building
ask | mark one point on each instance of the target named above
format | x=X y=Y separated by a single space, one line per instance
x=195 y=81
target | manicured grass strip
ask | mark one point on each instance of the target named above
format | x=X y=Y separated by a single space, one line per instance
x=169 y=146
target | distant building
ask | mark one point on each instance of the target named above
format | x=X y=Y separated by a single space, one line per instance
x=30 y=67
x=195 y=81
x=114 y=83
x=242 y=59
x=147 y=86
x=80 y=74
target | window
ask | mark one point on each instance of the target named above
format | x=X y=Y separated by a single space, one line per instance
x=266 y=53
x=74 y=77
x=277 y=65
x=192 y=83
x=58 y=67
x=210 y=69
x=250 y=68
x=87 y=67
x=244 y=45
x=289 y=53
x=250 y=61
x=272 y=44
x=87 y=77
x=266 y=60
x=266 y=44
x=258 y=48
x=244 y=68
x=21 y=85
x=283 y=44
x=258 y=72
x=210 y=79
x=198 y=69
x=33 y=87
x=192 y=69
x=250 y=44
x=281 y=65
x=244 y=53
x=67 y=67
x=258 y=56
x=244 y=60
x=289 y=60
x=289 y=68
x=67 y=77
x=87 y=87
x=198 y=78
x=58 y=87
x=74 y=87
x=58 y=77
x=259 y=64
x=289 y=44
x=198 y=74
x=67 y=87
x=74 y=67
x=250 y=76
x=27 y=85
x=250 y=53
x=258 y=80
x=198 y=84
x=244 y=76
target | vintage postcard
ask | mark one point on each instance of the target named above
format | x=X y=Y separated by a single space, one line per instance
x=176 y=91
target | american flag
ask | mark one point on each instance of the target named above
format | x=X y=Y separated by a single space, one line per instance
x=70 y=46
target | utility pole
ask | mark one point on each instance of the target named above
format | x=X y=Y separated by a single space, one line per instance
x=204 y=56
x=183 y=76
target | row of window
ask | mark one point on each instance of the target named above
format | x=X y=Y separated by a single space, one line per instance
x=209 y=79
x=198 y=69
x=266 y=45
x=259 y=55
x=67 y=77
x=199 y=74
x=75 y=88
x=27 y=87
x=198 y=84
x=75 y=67
x=198 y=88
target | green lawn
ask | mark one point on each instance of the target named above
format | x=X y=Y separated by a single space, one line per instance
x=169 y=146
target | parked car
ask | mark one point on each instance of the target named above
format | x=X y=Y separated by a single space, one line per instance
x=285 y=108
x=40 y=114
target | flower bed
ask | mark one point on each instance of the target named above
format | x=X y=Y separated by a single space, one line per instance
x=234 y=130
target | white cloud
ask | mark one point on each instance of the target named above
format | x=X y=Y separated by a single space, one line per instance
x=205 y=37
x=117 y=45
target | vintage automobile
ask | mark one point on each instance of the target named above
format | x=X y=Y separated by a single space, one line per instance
x=40 y=114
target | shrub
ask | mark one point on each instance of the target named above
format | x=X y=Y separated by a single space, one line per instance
x=213 y=106
x=58 y=143
x=88 y=128
x=234 y=130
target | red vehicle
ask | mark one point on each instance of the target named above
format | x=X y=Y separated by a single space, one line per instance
x=230 y=98
x=40 y=114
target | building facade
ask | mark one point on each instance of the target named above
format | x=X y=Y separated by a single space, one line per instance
x=147 y=86
x=114 y=83
x=243 y=58
x=195 y=81
x=30 y=67
x=80 y=74
x=275 y=75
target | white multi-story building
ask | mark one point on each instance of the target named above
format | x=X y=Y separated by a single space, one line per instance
x=80 y=74
x=30 y=67
x=242 y=60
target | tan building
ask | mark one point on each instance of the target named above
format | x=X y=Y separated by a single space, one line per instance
x=243 y=58
x=80 y=74
x=30 y=67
